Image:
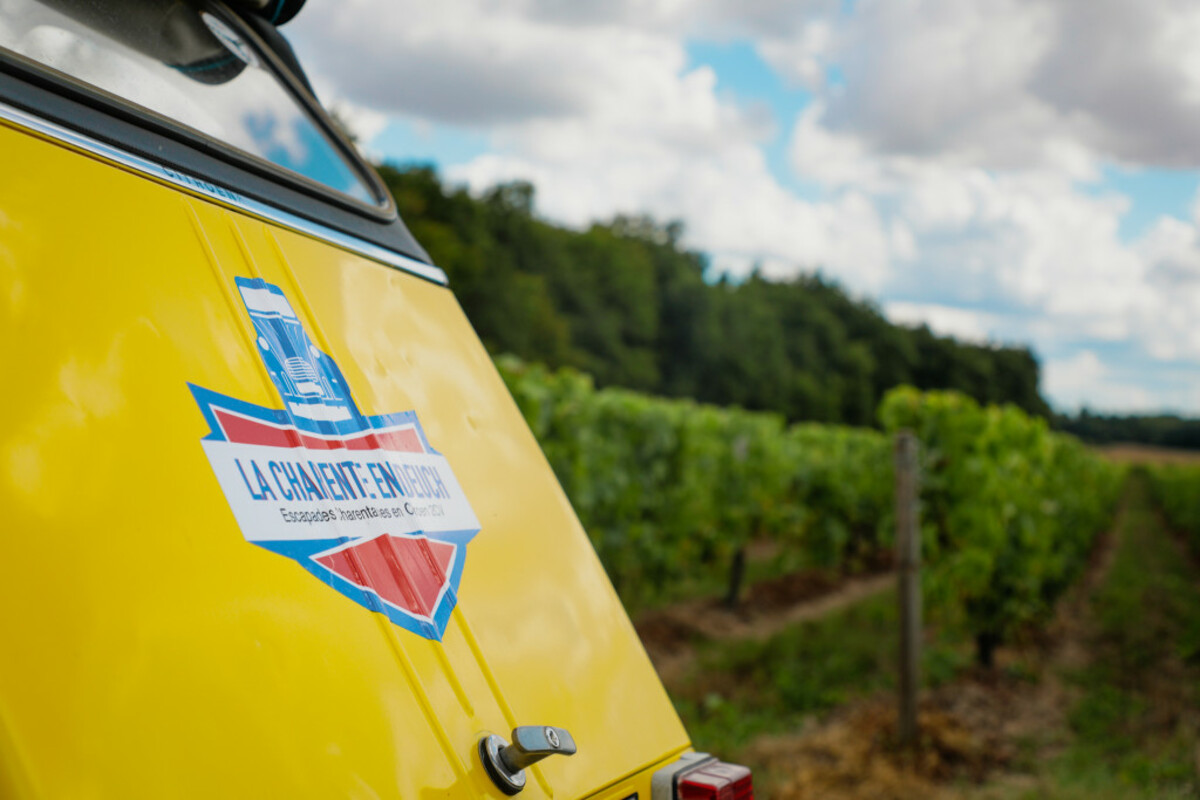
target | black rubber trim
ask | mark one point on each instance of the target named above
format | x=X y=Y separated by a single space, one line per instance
x=280 y=47
x=129 y=128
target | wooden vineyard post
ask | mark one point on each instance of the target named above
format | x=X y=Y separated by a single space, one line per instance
x=908 y=564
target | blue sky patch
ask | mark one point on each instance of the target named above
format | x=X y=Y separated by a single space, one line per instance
x=743 y=75
x=405 y=142
x=1153 y=193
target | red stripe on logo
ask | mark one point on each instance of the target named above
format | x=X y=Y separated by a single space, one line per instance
x=405 y=440
x=407 y=571
x=250 y=431
x=243 y=430
x=314 y=443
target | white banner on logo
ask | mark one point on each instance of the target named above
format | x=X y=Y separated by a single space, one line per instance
x=280 y=494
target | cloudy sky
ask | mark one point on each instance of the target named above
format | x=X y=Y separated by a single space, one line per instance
x=1003 y=170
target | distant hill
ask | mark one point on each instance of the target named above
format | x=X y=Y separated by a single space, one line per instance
x=626 y=303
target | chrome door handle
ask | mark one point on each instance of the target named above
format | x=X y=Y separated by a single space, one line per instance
x=505 y=763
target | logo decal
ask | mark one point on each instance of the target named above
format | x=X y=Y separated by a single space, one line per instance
x=363 y=503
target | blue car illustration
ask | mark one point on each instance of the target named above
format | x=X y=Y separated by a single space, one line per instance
x=309 y=381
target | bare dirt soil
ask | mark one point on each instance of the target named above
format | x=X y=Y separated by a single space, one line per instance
x=669 y=634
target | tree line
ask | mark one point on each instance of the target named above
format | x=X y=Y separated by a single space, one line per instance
x=625 y=302
x=1162 y=430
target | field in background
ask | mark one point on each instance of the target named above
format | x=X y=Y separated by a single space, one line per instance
x=1147 y=454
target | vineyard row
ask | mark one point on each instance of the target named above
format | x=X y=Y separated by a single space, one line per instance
x=1177 y=489
x=671 y=492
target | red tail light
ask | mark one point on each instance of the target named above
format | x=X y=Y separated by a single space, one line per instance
x=717 y=781
x=698 y=776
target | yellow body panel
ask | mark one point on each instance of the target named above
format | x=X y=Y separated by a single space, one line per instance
x=149 y=649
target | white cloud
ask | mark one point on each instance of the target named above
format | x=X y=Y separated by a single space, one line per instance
x=733 y=208
x=1167 y=324
x=1138 y=386
x=604 y=117
x=966 y=324
x=708 y=18
x=656 y=137
x=803 y=57
x=1127 y=78
x=425 y=60
x=931 y=78
x=482 y=62
x=1028 y=238
x=1083 y=380
x=1022 y=83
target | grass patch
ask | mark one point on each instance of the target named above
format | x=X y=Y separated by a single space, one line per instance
x=1136 y=724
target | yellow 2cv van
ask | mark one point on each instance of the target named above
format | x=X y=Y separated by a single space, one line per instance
x=271 y=524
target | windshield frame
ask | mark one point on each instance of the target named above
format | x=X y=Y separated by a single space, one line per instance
x=383 y=210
